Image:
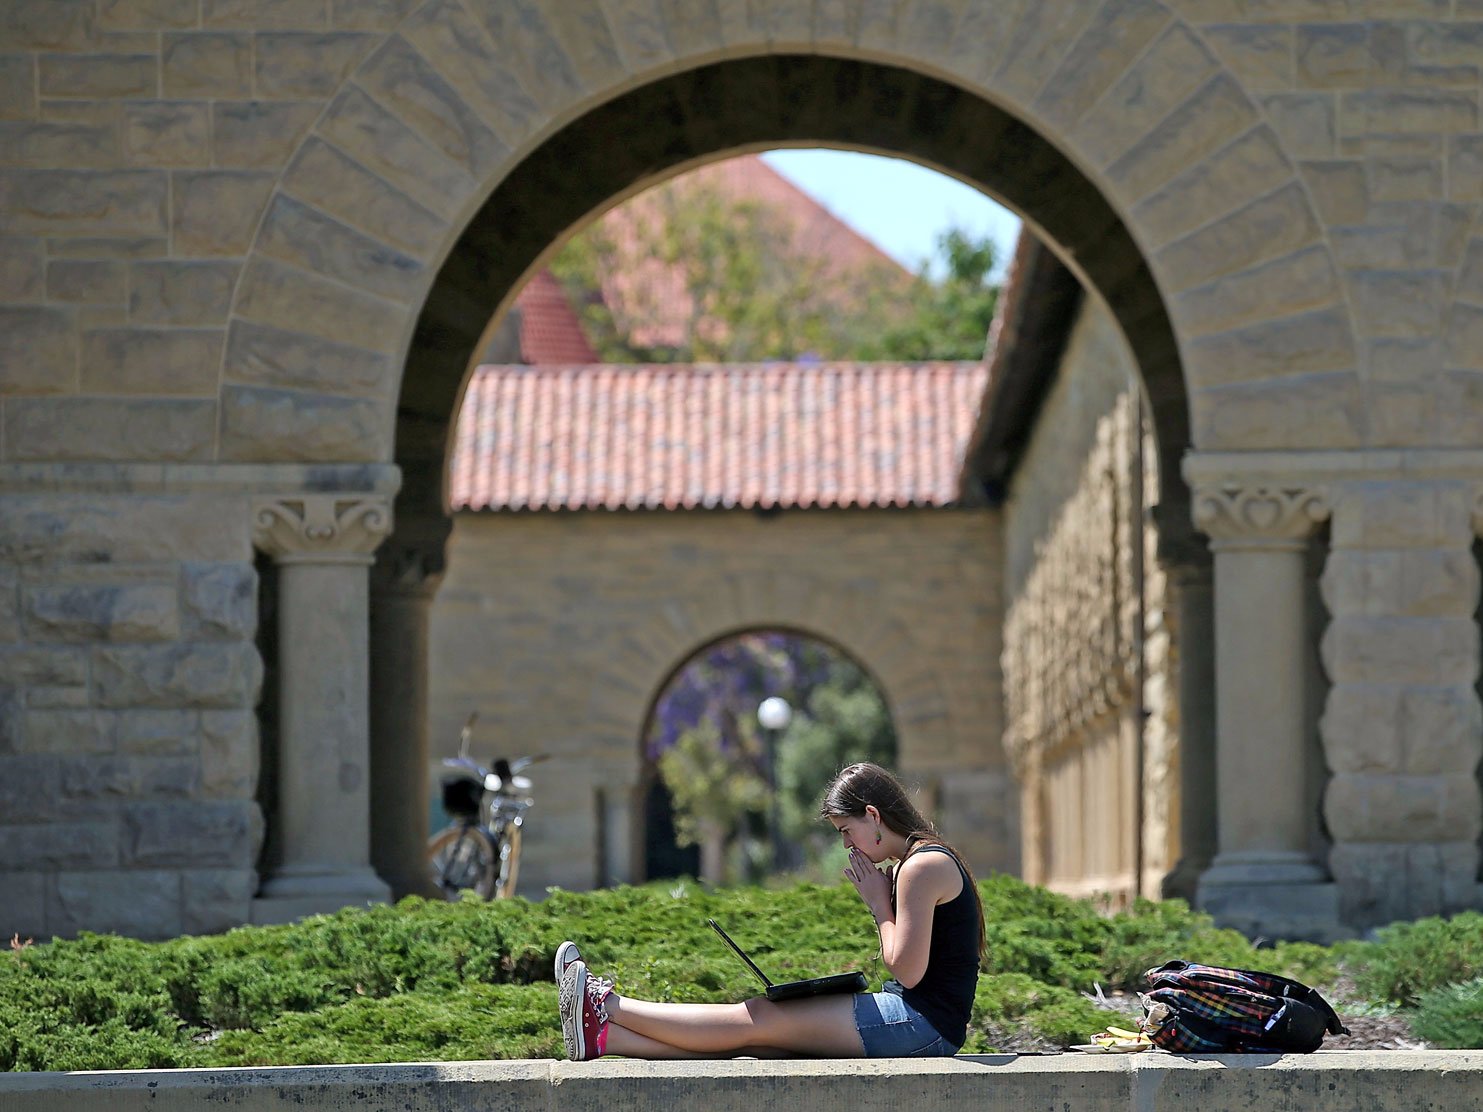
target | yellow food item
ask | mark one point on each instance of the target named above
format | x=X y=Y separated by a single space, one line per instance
x=1120 y=1038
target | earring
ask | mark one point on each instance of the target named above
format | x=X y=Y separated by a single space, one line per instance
x=877 y=835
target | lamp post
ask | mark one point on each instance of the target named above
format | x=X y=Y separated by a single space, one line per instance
x=773 y=715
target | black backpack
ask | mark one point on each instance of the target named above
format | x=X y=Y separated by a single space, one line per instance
x=1200 y=1009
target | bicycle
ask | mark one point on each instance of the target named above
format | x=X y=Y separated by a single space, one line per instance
x=479 y=850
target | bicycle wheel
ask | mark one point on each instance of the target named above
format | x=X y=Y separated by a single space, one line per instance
x=462 y=858
x=509 y=862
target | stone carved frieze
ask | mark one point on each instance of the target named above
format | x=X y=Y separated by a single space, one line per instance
x=1080 y=634
x=1256 y=514
x=321 y=528
x=1069 y=645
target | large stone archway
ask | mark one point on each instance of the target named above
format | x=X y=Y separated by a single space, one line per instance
x=672 y=123
x=242 y=284
x=1030 y=155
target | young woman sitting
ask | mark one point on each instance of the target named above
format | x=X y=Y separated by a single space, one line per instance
x=930 y=920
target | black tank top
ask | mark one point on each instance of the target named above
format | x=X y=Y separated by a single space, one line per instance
x=944 y=995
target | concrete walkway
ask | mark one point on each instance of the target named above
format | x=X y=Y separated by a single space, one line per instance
x=1329 y=1081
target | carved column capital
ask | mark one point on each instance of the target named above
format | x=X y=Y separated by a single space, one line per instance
x=1258 y=516
x=320 y=528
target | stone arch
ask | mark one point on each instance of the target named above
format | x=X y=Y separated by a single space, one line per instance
x=472 y=138
x=624 y=695
x=466 y=145
x=842 y=102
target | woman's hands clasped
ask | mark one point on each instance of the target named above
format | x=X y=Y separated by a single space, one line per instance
x=874 y=885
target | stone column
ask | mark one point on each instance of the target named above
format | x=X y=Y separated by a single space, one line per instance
x=322 y=544
x=404 y=580
x=1186 y=561
x=1401 y=728
x=1263 y=879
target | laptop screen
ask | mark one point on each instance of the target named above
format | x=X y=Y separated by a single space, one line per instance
x=761 y=976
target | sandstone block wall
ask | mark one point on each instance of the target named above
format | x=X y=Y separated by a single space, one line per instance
x=245 y=234
x=128 y=682
x=562 y=629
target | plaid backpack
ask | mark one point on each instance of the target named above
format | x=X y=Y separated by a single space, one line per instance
x=1199 y=1009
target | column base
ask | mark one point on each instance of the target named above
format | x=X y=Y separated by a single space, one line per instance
x=294 y=893
x=1262 y=867
x=1291 y=912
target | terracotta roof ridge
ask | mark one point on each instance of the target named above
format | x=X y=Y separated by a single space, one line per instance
x=834 y=216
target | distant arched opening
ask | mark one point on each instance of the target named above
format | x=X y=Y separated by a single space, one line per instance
x=740 y=742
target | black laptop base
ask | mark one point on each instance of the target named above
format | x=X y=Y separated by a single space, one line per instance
x=794 y=990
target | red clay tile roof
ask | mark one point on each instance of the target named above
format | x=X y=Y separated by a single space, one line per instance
x=550 y=331
x=737 y=436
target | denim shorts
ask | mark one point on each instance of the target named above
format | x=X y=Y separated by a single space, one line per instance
x=891 y=1028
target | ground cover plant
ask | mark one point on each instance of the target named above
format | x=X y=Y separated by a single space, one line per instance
x=433 y=981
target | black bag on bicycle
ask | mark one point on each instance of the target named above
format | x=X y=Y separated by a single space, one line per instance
x=1202 y=1009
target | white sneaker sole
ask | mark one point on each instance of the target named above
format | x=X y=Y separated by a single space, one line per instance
x=570 y=998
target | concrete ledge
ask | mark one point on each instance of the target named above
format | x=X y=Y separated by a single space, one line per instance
x=1329 y=1081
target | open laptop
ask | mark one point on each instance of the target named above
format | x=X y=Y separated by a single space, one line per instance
x=792 y=990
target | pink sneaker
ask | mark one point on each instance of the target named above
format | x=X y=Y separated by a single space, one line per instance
x=584 y=1020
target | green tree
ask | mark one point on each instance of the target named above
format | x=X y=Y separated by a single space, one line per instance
x=714 y=756
x=844 y=720
x=949 y=318
x=687 y=274
x=712 y=793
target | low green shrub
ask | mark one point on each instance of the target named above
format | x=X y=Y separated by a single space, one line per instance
x=437 y=981
x=1005 y=1002
x=1451 y=1017
x=1052 y=938
x=477 y=1021
x=1407 y=960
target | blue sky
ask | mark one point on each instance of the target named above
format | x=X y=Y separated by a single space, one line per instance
x=900 y=206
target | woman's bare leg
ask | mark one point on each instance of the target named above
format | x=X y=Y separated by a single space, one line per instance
x=821 y=1026
x=630 y=1044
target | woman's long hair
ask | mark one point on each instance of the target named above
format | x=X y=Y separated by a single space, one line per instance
x=865 y=783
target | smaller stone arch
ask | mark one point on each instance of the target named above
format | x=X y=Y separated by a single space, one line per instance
x=649 y=781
